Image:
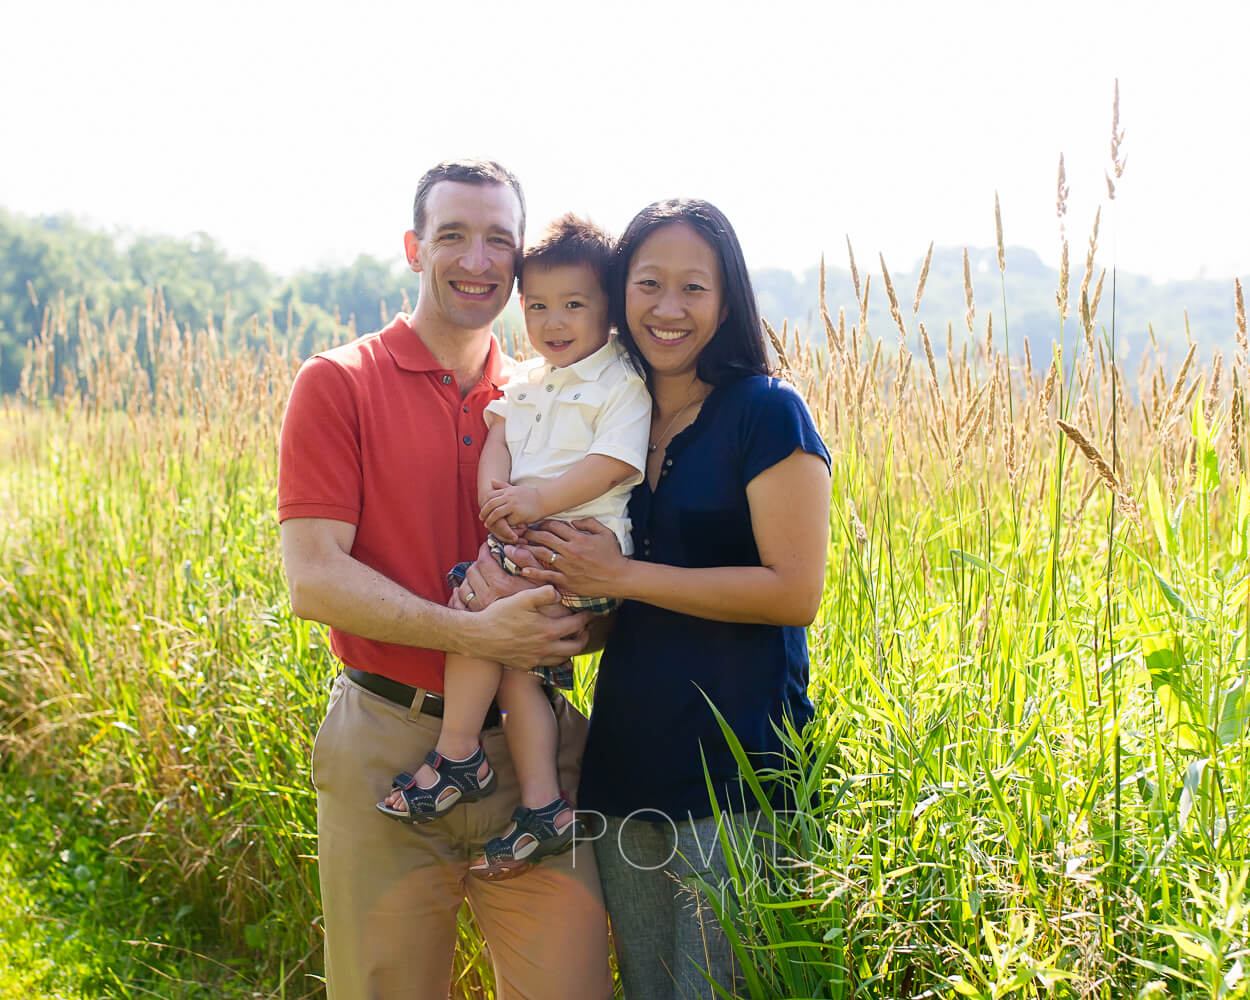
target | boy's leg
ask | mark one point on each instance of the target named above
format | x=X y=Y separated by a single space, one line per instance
x=531 y=732
x=469 y=686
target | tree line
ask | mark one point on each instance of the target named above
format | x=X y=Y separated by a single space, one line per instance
x=40 y=258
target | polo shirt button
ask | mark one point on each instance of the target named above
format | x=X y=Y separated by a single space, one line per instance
x=537 y=417
x=520 y=395
x=466 y=409
x=663 y=473
x=551 y=388
x=467 y=440
x=446 y=380
x=577 y=395
x=668 y=461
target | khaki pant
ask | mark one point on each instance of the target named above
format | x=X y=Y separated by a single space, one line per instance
x=391 y=892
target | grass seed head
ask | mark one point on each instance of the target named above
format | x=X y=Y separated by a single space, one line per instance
x=895 y=313
x=854 y=270
x=1061 y=294
x=924 y=276
x=998 y=234
x=971 y=310
x=1061 y=195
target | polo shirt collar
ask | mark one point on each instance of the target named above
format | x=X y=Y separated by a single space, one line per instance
x=590 y=367
x=409 y=352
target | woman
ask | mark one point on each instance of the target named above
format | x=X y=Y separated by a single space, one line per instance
x=730 y=534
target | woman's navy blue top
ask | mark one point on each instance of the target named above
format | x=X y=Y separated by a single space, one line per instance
x=651 y=717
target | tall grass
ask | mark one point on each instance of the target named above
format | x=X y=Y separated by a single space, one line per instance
x=1028 y=773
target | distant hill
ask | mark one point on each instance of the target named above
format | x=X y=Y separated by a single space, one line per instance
x=1031 y=309
x=43 y=257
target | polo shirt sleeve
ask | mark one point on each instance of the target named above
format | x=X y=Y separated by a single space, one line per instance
x=319 y=460
x=776 y=422
x=499 y=405
x=623 y=425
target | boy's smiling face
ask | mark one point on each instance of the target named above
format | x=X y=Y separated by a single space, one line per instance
x=566 y=312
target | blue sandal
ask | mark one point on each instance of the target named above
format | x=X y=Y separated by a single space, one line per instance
x=457 y=782
x=534 y=836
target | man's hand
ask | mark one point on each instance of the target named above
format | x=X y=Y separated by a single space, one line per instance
x=524 y=635
x=516 y=631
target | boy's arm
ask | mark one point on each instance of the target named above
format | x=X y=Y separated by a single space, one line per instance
x=494 y=466
x=495 y=462
x=590 y=477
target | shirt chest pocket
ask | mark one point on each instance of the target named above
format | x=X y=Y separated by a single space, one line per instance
x=574 y=416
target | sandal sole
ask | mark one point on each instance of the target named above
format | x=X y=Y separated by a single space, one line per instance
x=408 y=819
x=499 y=872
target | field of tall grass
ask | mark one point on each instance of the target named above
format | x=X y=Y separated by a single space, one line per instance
x=1028 y=774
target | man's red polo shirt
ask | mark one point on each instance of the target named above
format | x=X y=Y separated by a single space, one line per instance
x=376 y=434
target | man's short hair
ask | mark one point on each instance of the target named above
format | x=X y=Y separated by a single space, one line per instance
x=570 y=241
x=464 y=172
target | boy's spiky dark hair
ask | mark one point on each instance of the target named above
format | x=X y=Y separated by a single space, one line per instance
x=570 y=241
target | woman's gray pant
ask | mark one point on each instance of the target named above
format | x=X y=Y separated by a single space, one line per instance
x=667 y=936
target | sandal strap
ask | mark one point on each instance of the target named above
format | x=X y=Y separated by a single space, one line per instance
x=458 y=774
x=538 y=823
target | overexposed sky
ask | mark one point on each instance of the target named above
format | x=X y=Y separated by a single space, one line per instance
x=295 y=132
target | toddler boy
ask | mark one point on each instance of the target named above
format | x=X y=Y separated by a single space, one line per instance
x=568 y=440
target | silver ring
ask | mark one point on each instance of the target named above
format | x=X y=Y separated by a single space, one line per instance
x=469 y=598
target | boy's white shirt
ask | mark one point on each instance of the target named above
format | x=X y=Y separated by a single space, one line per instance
x=555 y=417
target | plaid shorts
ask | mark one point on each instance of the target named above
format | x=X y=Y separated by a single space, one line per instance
x=562 y=675
x=575 y=602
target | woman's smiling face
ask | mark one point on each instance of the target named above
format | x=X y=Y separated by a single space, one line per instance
x=673 y=298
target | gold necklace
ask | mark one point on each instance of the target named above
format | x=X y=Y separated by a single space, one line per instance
x=653 y=447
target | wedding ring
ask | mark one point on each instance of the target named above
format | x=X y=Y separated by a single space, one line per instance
x=554 y=557
x=468 y=598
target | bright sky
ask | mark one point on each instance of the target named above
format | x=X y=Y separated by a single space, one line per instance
x=295 y=132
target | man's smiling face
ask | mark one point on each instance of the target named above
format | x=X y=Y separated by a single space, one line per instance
x=467 y=253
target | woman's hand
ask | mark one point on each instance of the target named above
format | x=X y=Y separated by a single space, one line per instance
x=580 y=558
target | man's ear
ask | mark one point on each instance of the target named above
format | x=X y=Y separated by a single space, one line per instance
x=412 y=250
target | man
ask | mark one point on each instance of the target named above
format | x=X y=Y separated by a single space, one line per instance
x=377 y=499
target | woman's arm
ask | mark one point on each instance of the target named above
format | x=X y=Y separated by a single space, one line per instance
x=789 y=504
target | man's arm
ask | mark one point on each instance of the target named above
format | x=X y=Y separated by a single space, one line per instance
x=330 y=586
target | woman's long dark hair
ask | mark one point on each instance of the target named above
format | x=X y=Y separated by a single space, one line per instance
x=736 y=350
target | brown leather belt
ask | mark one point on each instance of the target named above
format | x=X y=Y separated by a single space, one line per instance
x=403 y=695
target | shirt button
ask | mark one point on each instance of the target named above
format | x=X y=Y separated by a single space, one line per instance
x=466 y=409
x=668 y=461
x=551 y=388
x=537 y=417
x=466 y=439
x=520 y=395
x=663 y=473
x=577 y=395
x=446 y=380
